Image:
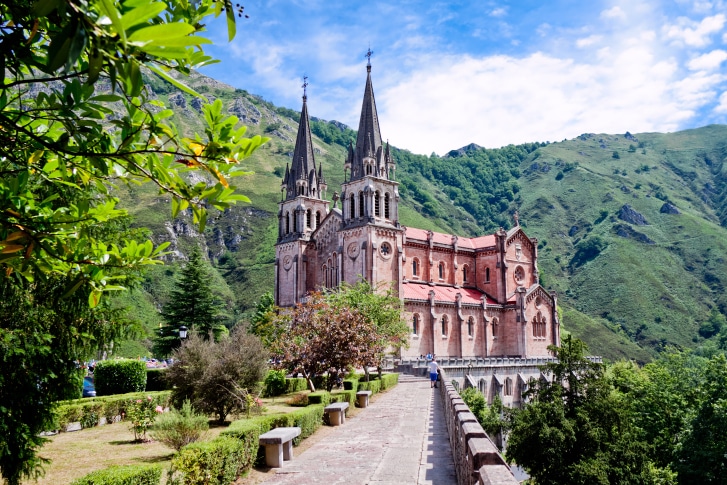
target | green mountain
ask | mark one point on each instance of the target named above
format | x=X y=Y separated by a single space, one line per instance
x=631 y=228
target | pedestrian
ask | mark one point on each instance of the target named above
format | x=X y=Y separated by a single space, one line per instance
x=433 y=373
x=429 y=357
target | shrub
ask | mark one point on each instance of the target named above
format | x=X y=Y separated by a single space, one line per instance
x=374 y=386
x=141 y=414
x=344 y=396
x=119 y=376
x=319 y=397
x=123 y=475
x=219 y=461
x=179 y=428
x=156 y=380
x=298 y=400
x=275 y=383
x=216 y=376
x=295 y=384
x=351 y=383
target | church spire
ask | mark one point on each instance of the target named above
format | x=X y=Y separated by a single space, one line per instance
x=368 y=141
x=303 y=178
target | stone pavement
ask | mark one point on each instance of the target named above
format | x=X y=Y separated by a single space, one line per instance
x=400 y=439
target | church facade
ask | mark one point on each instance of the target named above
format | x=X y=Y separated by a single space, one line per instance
x=463 y=297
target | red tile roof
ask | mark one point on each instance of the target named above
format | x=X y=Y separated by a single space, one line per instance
x=420 y=291
x=446 y=239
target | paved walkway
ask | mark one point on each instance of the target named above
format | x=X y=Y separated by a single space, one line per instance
x=400 y=439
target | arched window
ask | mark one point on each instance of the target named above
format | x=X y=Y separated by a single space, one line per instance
x=415 y=324
x=328 y=274
x=308 y=218
x=445 y=322
x=353 y=206
x=360 y=204
x=539 y=326
x=508 y=387
x=487 y=275
x=441 y=270
x=464 y=273
x=295 y=221
x=377 y=205
x=318 y=219
x=495 y=329
x=415 y=267
x=470 y=326
x=386 y=206
x=287 y=223
x=482 y=385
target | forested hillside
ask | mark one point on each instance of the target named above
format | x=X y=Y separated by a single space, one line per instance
x=631 y=228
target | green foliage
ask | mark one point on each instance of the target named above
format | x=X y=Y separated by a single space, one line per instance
x=615 y=154
x=275 y=383
x=491 y=418
x=62 y=154
x=216 y=462
x=192 y=304
x=474 y=400
x=263 y=322
x=344 y=396
x=179 y=427
x=156 y=380
x=216 y=376
x=713 y=325
x=141 y=413
x=319 y=397
x=575 y=430
x=295 y=384
x=332 y=134
x=123 y=475
x=119 y=376
x=588 y=250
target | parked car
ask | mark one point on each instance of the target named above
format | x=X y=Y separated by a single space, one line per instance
x=89 y=390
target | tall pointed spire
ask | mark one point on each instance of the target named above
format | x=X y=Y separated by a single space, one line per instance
x=303 y=178
x=368 y=141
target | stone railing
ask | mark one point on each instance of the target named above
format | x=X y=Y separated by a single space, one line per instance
x=476 y=459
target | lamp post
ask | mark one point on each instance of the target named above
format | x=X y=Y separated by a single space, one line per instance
x=183 y=332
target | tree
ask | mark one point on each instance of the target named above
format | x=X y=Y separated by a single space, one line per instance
x=213 y=374
x=67 y=67
x=703 y=451
x=325 y=339
x=192 y=304
x=264 y=323
x=577 y=430
x=381 y=309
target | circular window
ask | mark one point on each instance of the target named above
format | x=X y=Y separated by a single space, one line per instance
x=385 y=249
x=519 y=275
x=287 y=262
x=538 y=302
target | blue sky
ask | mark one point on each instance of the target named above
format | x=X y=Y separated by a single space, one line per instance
x=447 y=74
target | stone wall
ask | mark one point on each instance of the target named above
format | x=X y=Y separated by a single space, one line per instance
x=476 y=459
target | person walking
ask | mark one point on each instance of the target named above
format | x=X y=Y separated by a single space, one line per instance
x=433 y=372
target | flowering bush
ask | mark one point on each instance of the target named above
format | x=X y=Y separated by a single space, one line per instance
x=141 y=414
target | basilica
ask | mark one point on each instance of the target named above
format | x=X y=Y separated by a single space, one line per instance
x=463 y=297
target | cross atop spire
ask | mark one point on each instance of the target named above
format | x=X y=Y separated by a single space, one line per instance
x=304 y=86
x=369 y=53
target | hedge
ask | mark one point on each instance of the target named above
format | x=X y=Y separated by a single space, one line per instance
x=156 y=381
x=319 y=397
x=216 y=462
x=344 y=396
x=123 y=475
x=119 y=376
x=295 y=384
x=90 y=410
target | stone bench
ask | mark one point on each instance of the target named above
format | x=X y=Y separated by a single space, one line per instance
x=336 y=413
x=278 y=444
x=363 y=398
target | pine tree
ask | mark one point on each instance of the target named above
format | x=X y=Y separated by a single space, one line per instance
x=192 y=304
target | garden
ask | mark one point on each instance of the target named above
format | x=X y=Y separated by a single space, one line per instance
x=143 y=438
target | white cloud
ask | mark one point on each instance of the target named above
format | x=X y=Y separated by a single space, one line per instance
x=709 y=61
x=695 y=34
x=588 y=41
x=613 y=13
x=498 y=12
x=722 y=107
x=497 y=100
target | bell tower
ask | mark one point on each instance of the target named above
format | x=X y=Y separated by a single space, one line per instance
x=301 y=210
x=372 y=235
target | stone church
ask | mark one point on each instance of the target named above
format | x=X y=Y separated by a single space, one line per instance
x=463 y=297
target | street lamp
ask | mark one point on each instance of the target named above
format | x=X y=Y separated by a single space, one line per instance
x=182 y=332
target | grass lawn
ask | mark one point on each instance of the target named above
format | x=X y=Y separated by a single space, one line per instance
x=77 y=453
